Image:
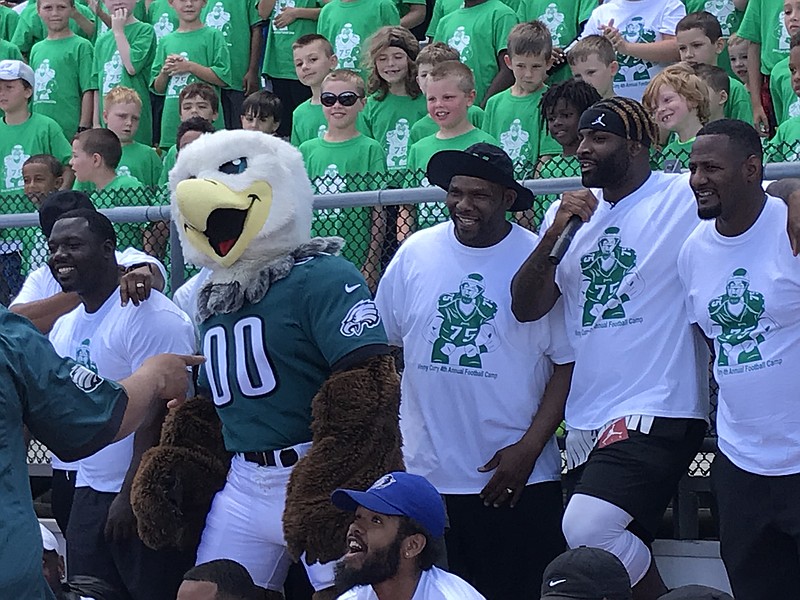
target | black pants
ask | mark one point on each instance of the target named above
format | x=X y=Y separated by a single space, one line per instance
x=759 y=530
x=63 y=490
x=232 y=108
x=132 y=568
x=292 y=94
x=503 y=551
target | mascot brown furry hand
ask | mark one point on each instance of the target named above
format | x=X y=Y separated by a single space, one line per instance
x=296 y=363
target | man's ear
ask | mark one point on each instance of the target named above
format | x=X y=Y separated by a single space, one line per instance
x=413 y=546
x=753 y=169
x=509 y=197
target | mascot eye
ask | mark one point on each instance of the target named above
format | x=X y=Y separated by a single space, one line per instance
x=235 y=166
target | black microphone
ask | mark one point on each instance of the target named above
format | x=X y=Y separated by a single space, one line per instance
x=565 y=239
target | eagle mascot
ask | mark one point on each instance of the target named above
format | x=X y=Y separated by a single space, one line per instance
x=297 y=369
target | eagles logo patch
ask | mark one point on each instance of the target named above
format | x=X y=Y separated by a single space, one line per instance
x=84 y=379
x=363 y=315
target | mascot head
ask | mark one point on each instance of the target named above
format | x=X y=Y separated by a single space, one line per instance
x=240 y=199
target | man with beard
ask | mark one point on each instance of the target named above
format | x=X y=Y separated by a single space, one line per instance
x=742 y=283
x=393 y=542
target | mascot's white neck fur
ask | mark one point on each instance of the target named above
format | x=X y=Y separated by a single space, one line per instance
x=228 y=297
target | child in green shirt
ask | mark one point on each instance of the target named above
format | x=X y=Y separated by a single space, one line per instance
x=700 y=41
x=718 y=82
x=42 y=174
x=677 y=99
x=562 y=106
x=513 y=116
x=124 y=56
x=395 y=101
x=785 y=146
x=262 y=112
x=764 y=27
x=192 y=53
x=162 y=16
x=195 y=100
x=348 y=24
x=313 y=61
x=594 y=61
x=95 y=156
x=479 y=31
x=344 y=160
x=240 y=26
x=122 y=115
x=30 y=28
x=63 y=66
x=784 y=101
x=23 y=134
x=289 y=22
x=431 y=55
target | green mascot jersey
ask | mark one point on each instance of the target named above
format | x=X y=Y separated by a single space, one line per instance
x=265 y=363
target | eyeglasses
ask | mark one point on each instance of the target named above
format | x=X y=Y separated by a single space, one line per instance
x=345 y=98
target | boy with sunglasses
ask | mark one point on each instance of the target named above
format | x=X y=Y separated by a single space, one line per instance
x=344 y=160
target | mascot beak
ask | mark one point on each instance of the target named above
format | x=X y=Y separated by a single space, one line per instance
x=220 y=222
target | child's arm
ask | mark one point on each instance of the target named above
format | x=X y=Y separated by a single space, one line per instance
x=289 y=15
x=123 y=45
x=754 y=77
x=94 y=6
x=87 y=109
x=167 y=70
x=740 y=4
x=252 y=80
x=663 y=51
x=415 y=15
x=201 y=72
x=96 y=109
x=85 y=24
x=265 y=8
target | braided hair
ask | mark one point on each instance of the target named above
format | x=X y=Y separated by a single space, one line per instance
x=639 y=126
x=574 y=92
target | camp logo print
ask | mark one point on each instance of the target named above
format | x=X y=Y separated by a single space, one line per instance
x=460 y=41
x=725 y=13
x=610 y=279
x=554 y=21
x=348 y=47
x=277 y=9
x=463 y=327
x=220 y=19
x=740 y=320
x=112 y=72
x=12 y=167
x=397 y=144
x=632 y=69
x=514 y=140
x=45 y=83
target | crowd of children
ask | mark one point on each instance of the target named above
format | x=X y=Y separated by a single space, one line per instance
x=366 y=100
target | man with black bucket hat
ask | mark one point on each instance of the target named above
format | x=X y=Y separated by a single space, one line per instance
x=482 y=394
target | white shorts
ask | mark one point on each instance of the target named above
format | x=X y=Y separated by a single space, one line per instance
x=245 y=524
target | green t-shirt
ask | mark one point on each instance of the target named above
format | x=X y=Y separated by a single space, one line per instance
x=109 y=72
x=784 y=99
x=308 y=321
x=30 y=28
x=8 y=23
x=440 y=9
x=38 y=135
x=389 y=122
x=516 y=121
x=67 y=408
x=563 y=19
x=9 y=51
x=204 y=46
x=557 y=166
x=278 y=51
x=785 y=145
x=308 y=123
x=738 y=105
x=677 y=150
x=139 y=162
x=162 y=17
x=355 y=165
x=167 y=163
x=348 y=26
x=404 y=6
x=233 y=19
x=63 y=70
x=427 y=126
x=479 y=34
x=763 y=24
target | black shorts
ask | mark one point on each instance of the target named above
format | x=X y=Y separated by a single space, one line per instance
x=640 y=474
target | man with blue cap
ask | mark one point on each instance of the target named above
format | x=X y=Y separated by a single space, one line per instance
x=393 y=542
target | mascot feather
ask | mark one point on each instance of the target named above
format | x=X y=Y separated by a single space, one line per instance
x=297 y=367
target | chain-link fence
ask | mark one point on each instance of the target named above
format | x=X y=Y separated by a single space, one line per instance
x=373 y=213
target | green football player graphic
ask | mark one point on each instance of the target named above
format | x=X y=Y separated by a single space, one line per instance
x=630 y=67
x=741 y=322
x=462 y=329
x=609 y=279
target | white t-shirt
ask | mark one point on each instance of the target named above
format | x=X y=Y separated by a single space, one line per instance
x=474 y=375
x=635 y=352
x=434 y=584
x=113 y=342
x=40 y=284
x=744 y=292
x=639 y=21
x=186 y=295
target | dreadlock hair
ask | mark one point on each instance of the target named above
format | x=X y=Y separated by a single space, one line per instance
x=639 y=125
x=574 y=92
x=384 y=39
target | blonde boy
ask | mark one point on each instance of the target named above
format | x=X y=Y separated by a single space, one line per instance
x=313 y=61
x=594 y=61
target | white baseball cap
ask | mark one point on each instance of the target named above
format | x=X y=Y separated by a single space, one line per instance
x=16 y=69
x=49 y=541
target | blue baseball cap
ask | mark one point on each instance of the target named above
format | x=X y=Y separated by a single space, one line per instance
x=400 y=494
